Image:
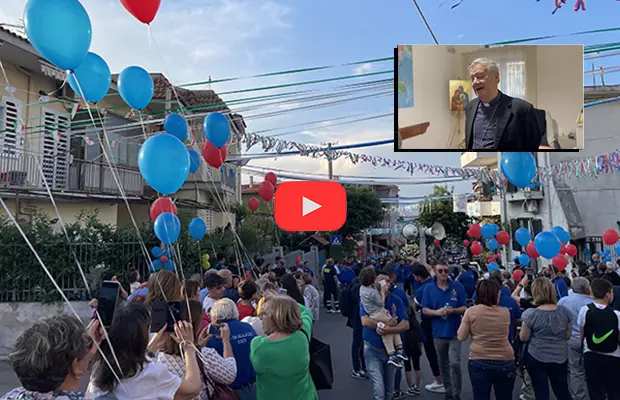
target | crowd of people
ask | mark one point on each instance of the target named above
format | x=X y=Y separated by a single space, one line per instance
x=247 y=337
x=235 y=338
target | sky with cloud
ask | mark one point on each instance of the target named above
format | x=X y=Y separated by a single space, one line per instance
x=199 y=39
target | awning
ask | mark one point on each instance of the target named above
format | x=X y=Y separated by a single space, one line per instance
x=576 y=227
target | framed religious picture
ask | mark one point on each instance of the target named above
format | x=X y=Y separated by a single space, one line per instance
x=459 y=94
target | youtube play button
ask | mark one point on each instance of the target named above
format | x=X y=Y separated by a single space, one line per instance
x=308 y=206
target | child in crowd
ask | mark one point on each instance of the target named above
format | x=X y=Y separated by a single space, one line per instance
x=133 y=277
x=215 y=284
x=247 y=303
x=373 y=302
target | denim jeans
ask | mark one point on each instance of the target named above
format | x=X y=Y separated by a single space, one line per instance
x=381 y=373
x=357 y=350
x=543 y=374
x=487 y=374
x=576 y=371
x=247 y=392
x=449 y=356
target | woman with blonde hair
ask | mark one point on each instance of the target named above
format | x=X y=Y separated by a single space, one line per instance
x=281 y=359
x=546 y=329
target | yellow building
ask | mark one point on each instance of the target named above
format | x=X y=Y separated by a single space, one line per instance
x=45 y=139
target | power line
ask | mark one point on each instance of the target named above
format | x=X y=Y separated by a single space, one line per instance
x=425 y=21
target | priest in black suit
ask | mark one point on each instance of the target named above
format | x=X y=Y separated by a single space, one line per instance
x=496 y=121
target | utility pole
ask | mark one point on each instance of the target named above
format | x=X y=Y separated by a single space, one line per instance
x=330 y=167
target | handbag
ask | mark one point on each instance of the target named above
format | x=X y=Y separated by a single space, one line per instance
x=320 y=366
x=220 y=392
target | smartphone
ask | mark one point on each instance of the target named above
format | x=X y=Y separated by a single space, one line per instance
x=382 y=282
x=108 y=298
x=165 y=313
x=282 y=292
x=214 y=330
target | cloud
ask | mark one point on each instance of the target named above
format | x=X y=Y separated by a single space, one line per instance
x=363 y=69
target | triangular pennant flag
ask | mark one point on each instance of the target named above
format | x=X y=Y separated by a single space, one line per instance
x=56 y=135
x=11 y=89
x=129 y=114
x=89 y=141
x=114 y=143
x=74 y=109
x=104 y=111
x=44 y=99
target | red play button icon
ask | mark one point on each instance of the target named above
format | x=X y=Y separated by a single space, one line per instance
x=310 y=206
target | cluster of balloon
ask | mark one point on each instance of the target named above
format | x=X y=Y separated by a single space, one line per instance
x=266 y=190
x=205 y=261
x=167 y=226
x=163 y=259
x=553 y=245
x=518 y=168
x=610 y=238
x=216 y=128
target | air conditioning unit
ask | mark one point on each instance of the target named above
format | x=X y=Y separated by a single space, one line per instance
x=531 y=206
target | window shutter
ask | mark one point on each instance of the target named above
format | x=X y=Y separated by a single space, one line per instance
x=55 y=143
x=11 y=137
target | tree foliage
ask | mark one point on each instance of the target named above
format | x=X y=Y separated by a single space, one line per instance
x=364 y=210
x=439 y=208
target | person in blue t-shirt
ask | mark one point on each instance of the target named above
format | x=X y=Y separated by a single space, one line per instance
x=347 y=274
x=468 y=280
x=423 y=279
x=561 y=288
x=382 y=374
x=224 y=311
x=445 y=302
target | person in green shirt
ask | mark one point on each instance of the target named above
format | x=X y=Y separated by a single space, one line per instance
x=281 y=358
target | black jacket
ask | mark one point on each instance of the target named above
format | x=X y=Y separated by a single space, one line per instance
x=517 y=125
x=355 y=321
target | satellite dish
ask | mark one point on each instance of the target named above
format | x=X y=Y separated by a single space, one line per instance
x=410 y=231
x=437 y=231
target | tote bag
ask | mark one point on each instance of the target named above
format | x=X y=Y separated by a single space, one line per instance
x=321 y=369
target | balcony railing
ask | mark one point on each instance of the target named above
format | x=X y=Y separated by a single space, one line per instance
x=27 y=171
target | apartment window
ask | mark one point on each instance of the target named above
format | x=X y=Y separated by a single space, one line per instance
x=531 y=224
x=55 y=148
x=11 y=138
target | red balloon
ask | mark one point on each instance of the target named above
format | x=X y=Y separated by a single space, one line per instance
x=571 y=250
x=610 y=236
x=163 y=259
x=372 y=252
x=465 y=242
x=563 y=250
x=502 y=237
x=271 y=178
x=253 y=203
x=560 y=262
x=436 y=242
x=530 y=249
x=360 y=252
x=213 y=156
x=143 y=10
x=265 y=191
x=474 y=230
x=162 y=205
x=298 y=259
x=476 y=248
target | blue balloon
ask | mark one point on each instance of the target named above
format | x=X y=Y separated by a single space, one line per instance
x=616 y=248
x=136 y=87
x=492 y=266
x=157 y=252
x=168 y=265
x=607 y=252
x=518 y=168
x=547 y=244
x=59 y=30
x=194 y=160
x=561 y=234
x=93 y=77
x=197 y=228
x=488 y=231
x=163 y=161
x=155 y=266
x=523 y=236
x=167 y=227
x=217 y=129
x=176 y=125
x=524 y=259
x=492 y=245
x=587 y=250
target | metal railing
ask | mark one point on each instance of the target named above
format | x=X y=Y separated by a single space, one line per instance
x=22 y=170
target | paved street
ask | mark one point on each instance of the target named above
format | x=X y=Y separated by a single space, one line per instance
x=331 y=329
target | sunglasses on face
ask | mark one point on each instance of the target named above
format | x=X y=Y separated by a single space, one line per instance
x=442 y=271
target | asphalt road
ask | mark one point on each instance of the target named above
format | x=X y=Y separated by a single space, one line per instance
x=331 y=329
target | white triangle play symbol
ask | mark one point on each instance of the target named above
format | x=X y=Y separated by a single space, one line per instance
x=308 y=206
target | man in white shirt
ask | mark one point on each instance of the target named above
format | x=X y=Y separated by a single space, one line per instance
x=600 y=335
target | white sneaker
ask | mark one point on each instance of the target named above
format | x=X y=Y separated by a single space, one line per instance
x=435 y=388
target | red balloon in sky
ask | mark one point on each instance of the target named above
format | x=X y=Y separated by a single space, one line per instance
x=560 y=262
x=265 y=190
x=530 y=249
x=253 y=203
x=213 y=156
x=143 y=10
x=162 y=205
x=610 y=236
x=502 y=237
x=476 y=248
x=571 y=250
x=474 y=230
x=271 y=178
x=465 y=242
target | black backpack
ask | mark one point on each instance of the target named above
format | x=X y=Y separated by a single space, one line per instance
x=601 y=329
x=345 y=300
